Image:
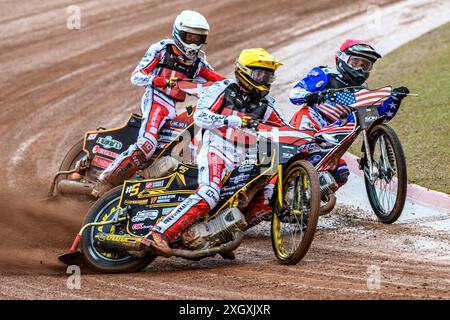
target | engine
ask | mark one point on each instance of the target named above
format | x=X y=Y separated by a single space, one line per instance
x=219 y=230
x=327 y=183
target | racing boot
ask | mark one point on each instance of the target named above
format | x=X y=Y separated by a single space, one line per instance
x=100 y=188
x=158 y=242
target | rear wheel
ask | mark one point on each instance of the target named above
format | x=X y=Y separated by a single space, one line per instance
x=75 y=154
x=69 y=162
x=96 y=258
x=387 y=194
x=294 y=222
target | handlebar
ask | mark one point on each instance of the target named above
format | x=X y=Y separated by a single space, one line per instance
x=174 y=80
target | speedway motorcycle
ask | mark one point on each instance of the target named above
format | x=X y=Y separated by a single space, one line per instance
x=110 y=240
x=382 y=161
x=87 y=159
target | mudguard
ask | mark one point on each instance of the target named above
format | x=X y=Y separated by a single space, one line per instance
x=104 y=146
x=149 y=200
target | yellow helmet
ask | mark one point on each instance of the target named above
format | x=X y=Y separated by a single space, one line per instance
x=255 y=70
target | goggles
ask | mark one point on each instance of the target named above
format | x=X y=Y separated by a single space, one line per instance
x=193 y=38
x=262 y=76
x=360 y=63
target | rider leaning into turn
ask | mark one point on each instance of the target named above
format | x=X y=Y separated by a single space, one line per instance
x=177 y=57
x=354 y=61
x=248 y=94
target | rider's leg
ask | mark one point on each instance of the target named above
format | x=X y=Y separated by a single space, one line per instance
x=341 y=173
x=212 y=168
x=341 y=126
x=260 y=208
x=156 y=111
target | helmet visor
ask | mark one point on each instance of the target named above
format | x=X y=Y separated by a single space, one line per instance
x=193 y=38
x=262 y=76
x=360 y=63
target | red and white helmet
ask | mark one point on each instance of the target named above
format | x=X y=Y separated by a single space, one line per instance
x=190 y=31
x=355 y=59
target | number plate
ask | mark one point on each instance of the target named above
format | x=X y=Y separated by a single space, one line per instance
x=368 y=115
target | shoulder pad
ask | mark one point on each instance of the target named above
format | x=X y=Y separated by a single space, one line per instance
x=270 y=99
x=215 y=90
x=330 y=70
x=317 y=79
x=205 y=63
x=159 y=46
x=166 y=42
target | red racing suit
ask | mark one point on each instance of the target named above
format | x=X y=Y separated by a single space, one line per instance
x=217 y=155
x=162 y=59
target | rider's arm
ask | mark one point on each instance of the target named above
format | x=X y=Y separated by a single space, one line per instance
x=207 y=72
x=209 y=103
x=142 y=75
x=298 y=93
x=316 y=80
x=274 y=114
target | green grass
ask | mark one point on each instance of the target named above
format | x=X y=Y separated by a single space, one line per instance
x=423 y=122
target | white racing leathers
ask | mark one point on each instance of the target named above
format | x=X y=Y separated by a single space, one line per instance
x=162 y=59
x=217 y=157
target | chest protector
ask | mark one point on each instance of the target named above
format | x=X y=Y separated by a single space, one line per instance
x=234 y=99
x=237 y=102
x=174 y=65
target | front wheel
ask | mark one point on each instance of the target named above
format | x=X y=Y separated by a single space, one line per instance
x=387 y=193
x=106 y=262
x=294 y=221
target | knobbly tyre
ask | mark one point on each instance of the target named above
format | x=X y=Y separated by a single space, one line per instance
x=112 y=232
x=87 y=159
x=382 y=162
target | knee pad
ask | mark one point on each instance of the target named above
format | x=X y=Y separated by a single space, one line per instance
x=210 y=195
x=147 y=146
x=341 y=173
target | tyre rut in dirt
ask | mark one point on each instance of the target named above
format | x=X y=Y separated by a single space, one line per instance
x=299 y=212
x=379 y=136
x=95 y=259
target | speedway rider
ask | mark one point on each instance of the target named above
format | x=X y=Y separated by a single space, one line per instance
x=354 y=61
x=248 y=94
x=177 y=57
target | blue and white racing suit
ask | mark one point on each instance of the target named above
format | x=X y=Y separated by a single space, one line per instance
x=324 y=116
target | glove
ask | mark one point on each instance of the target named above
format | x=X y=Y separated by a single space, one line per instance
x=160 y=82
x=233 y=121
x=312 y=98
x=248 y=122
x=400 y=92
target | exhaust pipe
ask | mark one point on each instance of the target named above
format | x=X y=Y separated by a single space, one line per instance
x=238 y=235
x=67 y=186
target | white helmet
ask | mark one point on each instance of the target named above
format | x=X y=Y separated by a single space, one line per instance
x=190 y=31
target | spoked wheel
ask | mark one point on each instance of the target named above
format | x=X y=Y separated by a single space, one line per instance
x=294 y=223
x=96 y=258
x=387 y=194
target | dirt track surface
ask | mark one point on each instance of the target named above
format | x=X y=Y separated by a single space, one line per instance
x=56 y=83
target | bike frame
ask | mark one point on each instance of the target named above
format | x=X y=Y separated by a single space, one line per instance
x=366 y=118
